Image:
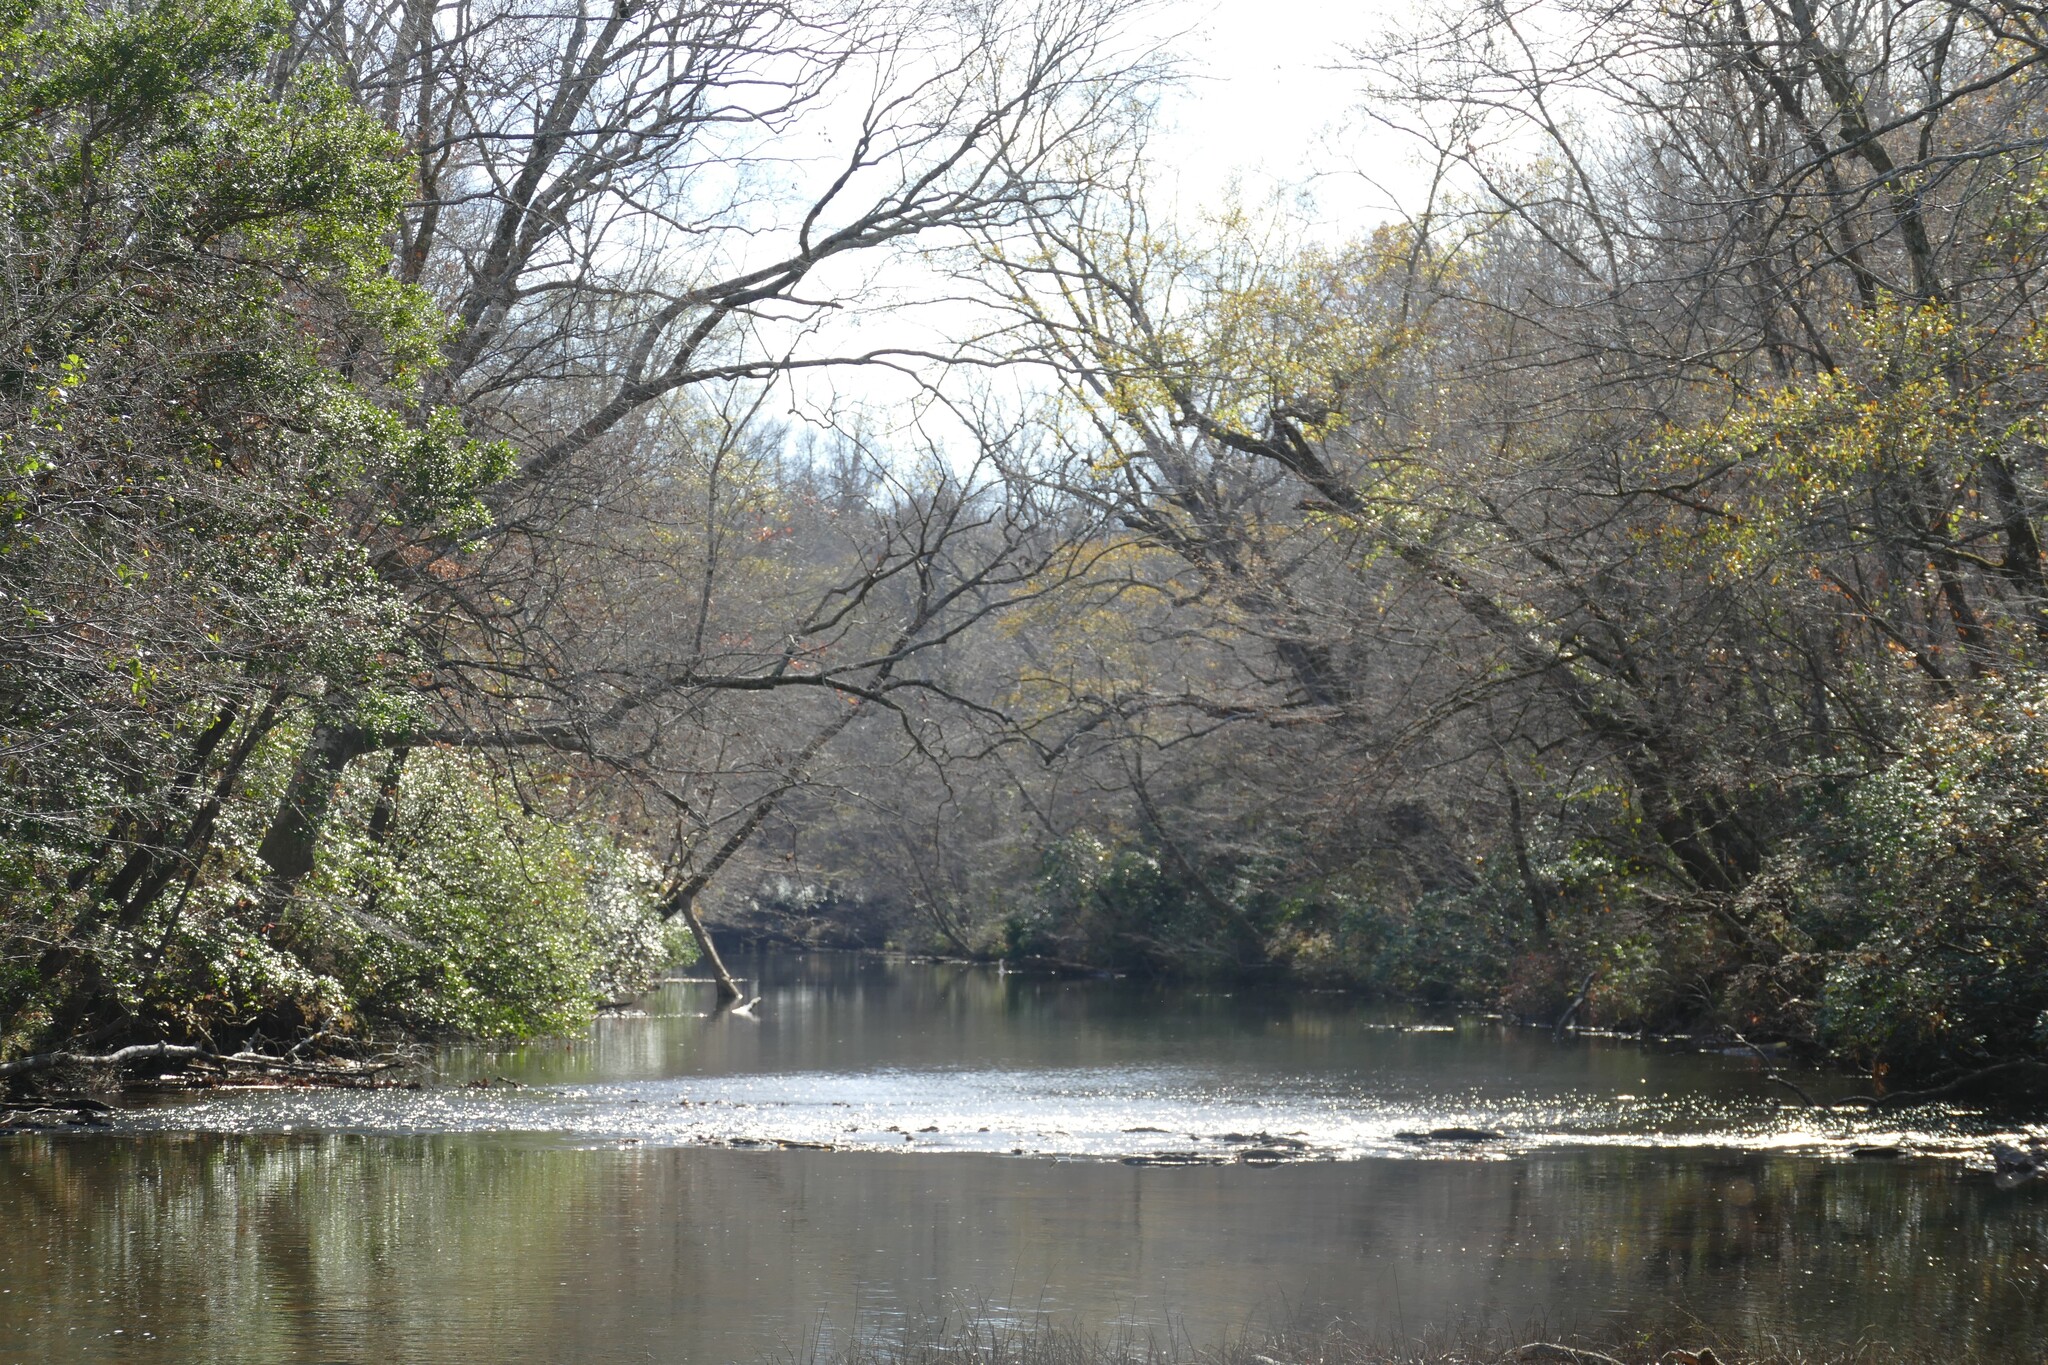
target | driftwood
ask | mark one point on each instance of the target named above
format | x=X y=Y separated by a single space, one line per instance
x=41 y=1115
x=1774 y=1075
x=2017 y=1165
x=1451 y=1135
x=180 y=1052
x=1899 y=1099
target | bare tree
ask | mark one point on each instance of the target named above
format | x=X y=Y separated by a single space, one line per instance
x=637 y=211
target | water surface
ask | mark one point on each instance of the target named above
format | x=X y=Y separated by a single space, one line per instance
x=600 y=1210
x=863 y=1053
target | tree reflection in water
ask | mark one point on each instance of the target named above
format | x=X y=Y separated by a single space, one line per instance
x=461 y=1247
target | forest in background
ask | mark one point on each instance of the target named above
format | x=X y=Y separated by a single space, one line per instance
x=457 y=531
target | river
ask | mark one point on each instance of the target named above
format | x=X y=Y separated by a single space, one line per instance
x=1025 y=1148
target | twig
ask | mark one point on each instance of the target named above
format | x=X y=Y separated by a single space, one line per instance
x=1564 y=1020
x=1547 y=1352
x=1963 y=1082
x=1775 y=1076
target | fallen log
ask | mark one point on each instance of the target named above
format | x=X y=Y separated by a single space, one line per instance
x=183 y=1052
x=42 y=1115
x=1564 y=1021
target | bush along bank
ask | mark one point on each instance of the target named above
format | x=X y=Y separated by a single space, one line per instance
x=445 y=904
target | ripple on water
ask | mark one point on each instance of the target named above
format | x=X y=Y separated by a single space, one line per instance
x=1089 y=1112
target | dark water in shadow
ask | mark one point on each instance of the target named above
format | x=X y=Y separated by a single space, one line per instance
x=587 y=1215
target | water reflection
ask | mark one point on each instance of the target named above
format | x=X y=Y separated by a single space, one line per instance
x=457 y=1248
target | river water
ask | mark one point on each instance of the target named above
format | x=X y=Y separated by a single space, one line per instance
x=1021 y=1148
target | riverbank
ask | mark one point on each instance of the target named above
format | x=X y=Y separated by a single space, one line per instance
x=1738 y=1093
x=1385 y=1081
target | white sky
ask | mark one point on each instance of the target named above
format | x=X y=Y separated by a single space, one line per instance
x=1263 y=106
x=1263 y=110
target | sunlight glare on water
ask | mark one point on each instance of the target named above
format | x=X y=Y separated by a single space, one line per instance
x=882 y=1056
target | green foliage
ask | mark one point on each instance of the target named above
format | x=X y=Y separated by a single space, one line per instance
x=184 y=466
x=1446 y=945
x=1097 y=904
x=1122 y=906
x=473 y=914
x=1938 y=895
x=461 y=911
x=1467 y=934
x=212 y=435
x=1116 y=906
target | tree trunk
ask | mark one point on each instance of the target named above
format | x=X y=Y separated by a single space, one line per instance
x=150 y=846
x=294 y=835
x=1532 y=884
x=682 y=899
x=684 y=903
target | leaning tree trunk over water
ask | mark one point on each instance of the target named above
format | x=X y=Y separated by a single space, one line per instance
x=682 y=898
x=683 y=901
x=289 y=845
